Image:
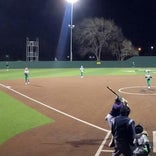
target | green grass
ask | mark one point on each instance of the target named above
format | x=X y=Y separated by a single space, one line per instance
x=64 y=72
x=16 y=117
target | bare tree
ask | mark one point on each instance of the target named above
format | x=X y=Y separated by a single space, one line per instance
x=94 y=35
x=123 y=49
x=128 y=50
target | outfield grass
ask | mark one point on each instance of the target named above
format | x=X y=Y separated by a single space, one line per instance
x=16 y=117
x=64 y=72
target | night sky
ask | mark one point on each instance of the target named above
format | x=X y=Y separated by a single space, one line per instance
x=43 y=19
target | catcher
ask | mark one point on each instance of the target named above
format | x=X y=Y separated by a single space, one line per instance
x=141 y=142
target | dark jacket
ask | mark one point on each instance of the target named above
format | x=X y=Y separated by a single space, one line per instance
x=123 y=129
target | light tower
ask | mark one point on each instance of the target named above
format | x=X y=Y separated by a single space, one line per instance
x=71 y=26
x=32 y=50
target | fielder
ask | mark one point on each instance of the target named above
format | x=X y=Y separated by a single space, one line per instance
x=148 y=78
x=81 y=71
x=26 y=75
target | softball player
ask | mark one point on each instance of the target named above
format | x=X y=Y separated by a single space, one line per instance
x=148 y=78
x=115 y=111
x=81 y=71
x=26 y=75
x=141 y=142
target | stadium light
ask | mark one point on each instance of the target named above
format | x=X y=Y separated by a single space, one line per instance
x=71 y=26
x=72 y=1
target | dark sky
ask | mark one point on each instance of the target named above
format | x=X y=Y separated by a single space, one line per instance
x=43 y=19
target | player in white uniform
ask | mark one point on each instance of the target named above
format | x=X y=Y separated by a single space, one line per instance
x=81 y=71
x=26 y=75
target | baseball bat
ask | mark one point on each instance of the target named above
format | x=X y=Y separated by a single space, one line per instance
x=112 y=91
x=124 y=100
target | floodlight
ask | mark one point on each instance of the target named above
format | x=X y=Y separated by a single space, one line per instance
x=72 y=1
x=71 y=26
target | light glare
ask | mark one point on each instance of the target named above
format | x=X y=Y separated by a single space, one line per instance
x=72 y=1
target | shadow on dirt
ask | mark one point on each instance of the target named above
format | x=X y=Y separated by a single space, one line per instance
x=85 y=142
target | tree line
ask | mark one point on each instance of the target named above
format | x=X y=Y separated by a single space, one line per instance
x=101 y=37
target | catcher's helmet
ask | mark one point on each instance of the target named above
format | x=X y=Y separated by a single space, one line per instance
x=138 y=129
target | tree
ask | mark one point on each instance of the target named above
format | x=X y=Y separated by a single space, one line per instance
x=128 y=50
x=123 y=49
x=95 y=35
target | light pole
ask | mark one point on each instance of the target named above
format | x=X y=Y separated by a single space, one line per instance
x=71 y=26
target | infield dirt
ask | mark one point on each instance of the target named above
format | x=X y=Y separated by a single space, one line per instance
x=86 y=99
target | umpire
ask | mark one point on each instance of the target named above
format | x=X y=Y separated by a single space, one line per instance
x=123 y=131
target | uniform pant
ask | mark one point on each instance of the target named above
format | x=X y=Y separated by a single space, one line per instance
x=122 y=148
x=110 y=119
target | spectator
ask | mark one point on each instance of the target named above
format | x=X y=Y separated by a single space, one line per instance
x=7 y=66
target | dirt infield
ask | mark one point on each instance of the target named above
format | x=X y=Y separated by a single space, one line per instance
x=78 y=107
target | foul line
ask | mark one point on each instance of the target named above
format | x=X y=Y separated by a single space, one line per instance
x=54 y=109
x=102 y=145
x=154 y=141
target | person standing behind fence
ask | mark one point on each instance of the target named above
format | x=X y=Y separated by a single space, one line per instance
x=81 y=71
x=26 y=75
x=7 y=66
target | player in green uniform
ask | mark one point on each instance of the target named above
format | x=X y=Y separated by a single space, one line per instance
x=148 y=78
